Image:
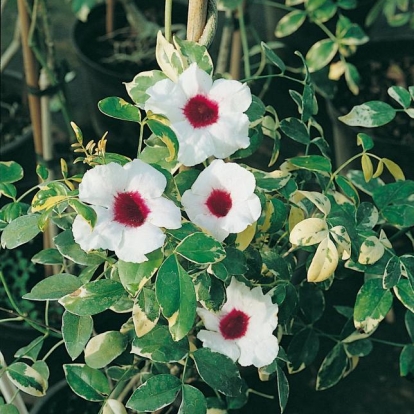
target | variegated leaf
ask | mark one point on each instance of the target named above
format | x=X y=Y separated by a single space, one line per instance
x=308 y=232
x=324 y=262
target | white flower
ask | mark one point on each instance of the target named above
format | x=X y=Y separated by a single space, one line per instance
x=222 y=199
x=130 y=210
x=207 y=117
x=243 y=328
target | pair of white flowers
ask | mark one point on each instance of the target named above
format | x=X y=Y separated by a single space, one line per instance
x=132 y=211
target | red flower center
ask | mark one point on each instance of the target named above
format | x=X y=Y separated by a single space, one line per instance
x=234 y=324
x=219 y=203
x=130 y=209
x=201 y=111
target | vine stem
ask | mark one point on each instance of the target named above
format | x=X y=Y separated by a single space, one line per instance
x=167 y=21
x=243 y=36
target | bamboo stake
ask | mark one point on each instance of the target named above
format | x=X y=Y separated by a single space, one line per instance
x=109 y=22
x=196 y=21
x=31 y=75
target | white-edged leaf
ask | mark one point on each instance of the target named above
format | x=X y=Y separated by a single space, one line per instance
x=321 y=201
x=168 y=58
x=27 y=379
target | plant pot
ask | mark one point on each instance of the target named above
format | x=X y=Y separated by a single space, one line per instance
x=61 y=399
x=16 y=138
x=379 y=64
x=103 y=78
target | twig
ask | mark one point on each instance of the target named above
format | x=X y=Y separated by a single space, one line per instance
x=12 y=48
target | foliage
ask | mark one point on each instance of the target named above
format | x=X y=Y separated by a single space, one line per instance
x=316 y=227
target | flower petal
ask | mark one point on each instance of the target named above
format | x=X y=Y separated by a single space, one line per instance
x=138 y=241
x=232 y=95
x=194 y=81
x=145 y=179
x=100 y=184
x=217 y=343
x=164 y=213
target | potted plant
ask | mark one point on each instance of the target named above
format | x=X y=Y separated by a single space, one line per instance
x=114 y=41
x=219 y=272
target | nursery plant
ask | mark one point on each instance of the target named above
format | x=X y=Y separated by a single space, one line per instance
x=183 y=269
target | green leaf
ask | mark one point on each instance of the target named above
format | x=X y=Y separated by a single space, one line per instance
x=302 y=349
x=159 y=346
x=9 y=409
x=71 y=250
x=289 y=23
x=93 y=297
x=352 y=78
x=20 y=231
x=273 y=57
x=10 y=172
x=393 y=193
x=367 y=216
x=87 y=382
x=333 y=368
x=234 y=262
x=320 y=54
x=27 y=379
x=167 y=136
x=195 y=52
x=359 y=348
x=54 y=287
x=49 y=256
x=407 y=361
x=407 y=261
x=218 y=371
x=401 y=95
x=201 y=248
x=102 y=349
x=312 y=163
x=138 y=86
x=146 y=312
x=8 y=190
x=176 y=296
x=32 y=350
x=256 y=109
x=294 y=128
x=409 y=323
x=157 y=392
x=392 y=272
x=365 y=141
x=87 y=212
x=370 y=114
x=269 y=182
x=311 y=302
x=347 y=188
x=405 y=293
x=372 y=305
x=134 y=276
x=282 y=388
x=120 y=109
x=76 y=331
x=193 y=401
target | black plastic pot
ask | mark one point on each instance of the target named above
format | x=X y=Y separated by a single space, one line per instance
x=61 y=399
x=103 y=79
x=395 y=140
